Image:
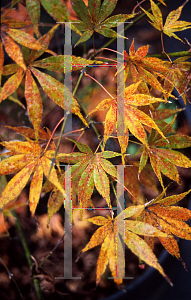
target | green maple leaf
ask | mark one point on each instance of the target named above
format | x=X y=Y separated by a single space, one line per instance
x=93 y=18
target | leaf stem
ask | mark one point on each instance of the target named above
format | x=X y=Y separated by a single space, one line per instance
x=27 y=253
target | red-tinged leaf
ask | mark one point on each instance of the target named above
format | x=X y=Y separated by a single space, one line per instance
x=85 y=36
x=177 y=141
x=24 y=39
x=81 y=10
x=110 y=154
x=171 y=199
x=143 y=160
x=165 y=160
x=80 y=62
x=134 y=118
x=143 y=228
x=171 y=246
x=148 y=69
x=116 y=259
x=86 y=186
x=55 y=202
x=176 y=212
x=55 y=90
x=44 y=41
x=1 y=59
x=172 y=226
x=35 y=188
x=94 y=8
x=57 y=10
x=72 y=158
x=52 y=63
x=34 y=102
x=172 y=25
x=29 y=132
x=33 y=8
x=98 y=237
x=99 y=220
x=103 y=259
x=142 y=250
x=13 y=50
x=130 y=211
x=10 y=69
x=20 y=147
x=102 y=183
x=14 y=163
x=108 y=167
x=11 y=84
x=57 y=63
x=16 y=184
x=106 y=9
x=82 y=147
x=131 y=181
x=156 y=18
x=123 y=142
x=51 y=174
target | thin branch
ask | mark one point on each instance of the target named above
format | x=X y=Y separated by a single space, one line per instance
x=11 y=277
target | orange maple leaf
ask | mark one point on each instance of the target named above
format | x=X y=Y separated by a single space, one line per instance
x=109 y=237
x=27 y=158
x=170 y=219
x=134 y=119
x=145 y=68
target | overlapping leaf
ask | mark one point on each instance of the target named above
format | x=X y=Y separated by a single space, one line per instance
x=145 y=68
x=94 y=17
x=165 y=160
x=170 y=219
x=109 y=237
x=176 y=75
x=171 y=25
x=27 y=158
x=90 y=169
x=134 y=118
x=132 y=181
x=54 y=89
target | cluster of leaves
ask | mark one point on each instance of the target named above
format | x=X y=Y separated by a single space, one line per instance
x=143 y=118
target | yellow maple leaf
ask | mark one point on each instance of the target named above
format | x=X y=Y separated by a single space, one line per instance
x=171 y=25
x=27 y=158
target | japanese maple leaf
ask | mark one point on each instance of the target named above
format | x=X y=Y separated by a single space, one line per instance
x=53 y=88
x=132 y=181
x=134 y=118
x=27 y=158
x=13 y=32
x=170 y=219
x=145 y=68
x=165 y=160
x=171 y=25
x=93 y=18
x=109 y=237
x=90 y=169
x=159 y=115
x=176 y=76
